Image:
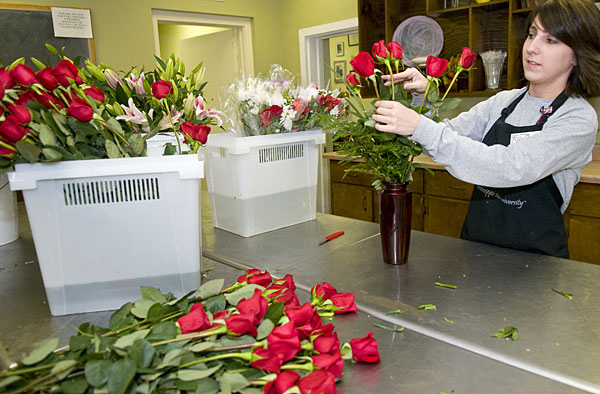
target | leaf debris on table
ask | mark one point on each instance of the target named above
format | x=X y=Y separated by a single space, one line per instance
x=448 y=320
x=396 y=329
x=508 y=332
x=562 y=293
x=444 y=285
x=427 y=307
x=395 y=312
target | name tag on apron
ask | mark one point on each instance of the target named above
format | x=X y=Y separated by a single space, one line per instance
x=521 y=136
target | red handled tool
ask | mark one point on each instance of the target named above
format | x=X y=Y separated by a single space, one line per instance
x=330 y=237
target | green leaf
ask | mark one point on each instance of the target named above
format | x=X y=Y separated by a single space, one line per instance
x=178 y=300
x=96 y=372
x=29 y=151
x=40 y=351
x=395 y=329
x=137 y=144
x=153 y=294
x=444 y=285
x=83 y=129
x=170 y=149
x=142 y=352
x=51 y=154
x=370 y=123
x=52 y=49
x=114 y=124
x=231 y=382
x=200 y=347
x=264 y=328
x=63 y=368
x=129 y=339
x=155 y=313
x=275 y=311
x=427 y=307
x=244 y=292
x=195 y=374
x=207 y=386
x=141 y=307
x=78 y=342
x=120 y=374
x=112 y=150
x=119 y=315
x=162 y=331
x=47 y=136
x=172 y=358
x=562 y=293
x=210 y=288
x=450 y=104
x=395 y=312
x=61 y=120
x=10 y=380
x=76 y=385
x=38 y=64
x=506 y=332
x=121 y=96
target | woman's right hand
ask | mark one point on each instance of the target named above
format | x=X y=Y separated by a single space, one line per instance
x=411 y=79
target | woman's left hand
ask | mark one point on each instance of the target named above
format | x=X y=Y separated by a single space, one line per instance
x=393 y=117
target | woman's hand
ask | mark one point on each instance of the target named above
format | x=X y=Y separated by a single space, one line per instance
x=393 y=117
x=411 y=79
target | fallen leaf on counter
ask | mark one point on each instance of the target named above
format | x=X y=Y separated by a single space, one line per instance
x=508 y=332
x=562 y=293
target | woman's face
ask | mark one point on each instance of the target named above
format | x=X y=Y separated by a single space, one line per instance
x=547 y=62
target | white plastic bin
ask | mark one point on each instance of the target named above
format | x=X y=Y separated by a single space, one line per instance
x=9 y=224
x=262 y=183
x=103 y=228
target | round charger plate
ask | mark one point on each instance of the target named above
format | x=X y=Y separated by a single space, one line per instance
x=419 y=36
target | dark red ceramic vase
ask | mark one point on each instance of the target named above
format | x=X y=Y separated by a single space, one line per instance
x=395 y=214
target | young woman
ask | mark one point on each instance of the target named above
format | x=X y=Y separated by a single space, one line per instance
x=523 y=149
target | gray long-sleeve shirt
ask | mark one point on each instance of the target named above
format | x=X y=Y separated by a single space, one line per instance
x=562 y=148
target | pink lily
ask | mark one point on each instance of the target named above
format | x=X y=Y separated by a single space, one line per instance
x=134 y=115
x=166 y=123
x=202 y=112
x=112 y=78
x=136 y=83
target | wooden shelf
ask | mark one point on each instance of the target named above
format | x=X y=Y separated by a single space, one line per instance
x=522 y=10
x=466 y=7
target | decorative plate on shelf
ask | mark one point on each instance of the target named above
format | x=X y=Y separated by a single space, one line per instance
x=420 y=36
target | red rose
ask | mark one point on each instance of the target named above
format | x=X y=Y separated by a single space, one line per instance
x=281 y=293
x=196 y=132
x=255 y=306
x=363 y=64
x=254 y=276
x=467 y=58
x=326 y=329
x=379 y=51
x=287 y=281
x=436 y=66
x=220 y=314
x=81 y=111
x=365 y=349
x=23 y=75
x=352 y=80
x=327 y=343
x=330 y=362
x=282 y=383
x=47 y=79
x=269 y=114
x=395 y=50
x=345 y=300
x=5 y=79
x=318 y=382
x=46 y=100
x=6 y=152
x=196 y=320
x=95 y=93
x=22 y=114
x=266 y=360
x=11 y=130
x=1 y=92
x=284 y=341
x=238 y=324
x=301 y=314
x=324 y=290
x=66 y=69
x=161 y=89
x=26 y=97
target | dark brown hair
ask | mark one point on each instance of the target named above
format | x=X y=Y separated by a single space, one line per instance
x=577 y=24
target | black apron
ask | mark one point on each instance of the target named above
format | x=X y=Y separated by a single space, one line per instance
x=524 y=217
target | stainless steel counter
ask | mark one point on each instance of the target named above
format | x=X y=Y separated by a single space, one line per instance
x=431 y=355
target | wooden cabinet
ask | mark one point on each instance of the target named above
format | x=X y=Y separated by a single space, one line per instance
x=495 y=25
x=440 y=204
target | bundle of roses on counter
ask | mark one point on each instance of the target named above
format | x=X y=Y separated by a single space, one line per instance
x=273 y=104
x=385 y=156
x=251 y=336
x=64 y=112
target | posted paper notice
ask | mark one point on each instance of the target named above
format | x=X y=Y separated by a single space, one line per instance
x=71 y=22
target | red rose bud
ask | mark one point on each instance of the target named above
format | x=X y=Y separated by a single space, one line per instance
x=282 y=383
x=330 y=362
x=66 y=69
x=324 y=290
x=363 y=64
x=318 y=382
x=265 y=360
x=6 y=152
x=21 y=114
x=254 y=276
x=345 y=301
x=269 y=114
x=286 y=281
x=301 y=314
x=11 y=130
x=256 y=306
x=81 y=111
x=365 y=349
x=327 y=343
x=46 y=100
x=395 y=50
x=47 y=79
x=161 y=89
x=379 y=50
x=5 y=79
x=467 y=58
x=241 y=324
x=1 y=92
x=352 y=80
x=326 y=329
x=95 y=93
x=196 y=320
x=436 y=66
x=23 y=75
x=196 y=132
x=284 y=341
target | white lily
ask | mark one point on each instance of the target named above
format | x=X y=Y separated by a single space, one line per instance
x=134 y=115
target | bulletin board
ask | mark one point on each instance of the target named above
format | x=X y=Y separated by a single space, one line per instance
x=24 y=31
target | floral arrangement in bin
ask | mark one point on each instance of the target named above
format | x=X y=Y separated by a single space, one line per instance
x=389 y=157
x=273 y=104
x=64 y=112
x=253 y=333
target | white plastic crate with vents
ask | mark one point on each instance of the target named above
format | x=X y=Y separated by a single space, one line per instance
x=262 y=183
x=103 y=228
